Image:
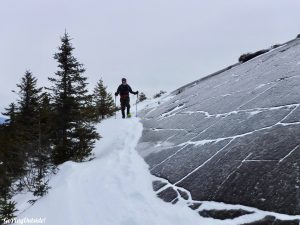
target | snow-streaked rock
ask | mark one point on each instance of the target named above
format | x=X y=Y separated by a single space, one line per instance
x=234 y=136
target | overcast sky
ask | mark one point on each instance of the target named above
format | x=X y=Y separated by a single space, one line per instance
x=155 y=44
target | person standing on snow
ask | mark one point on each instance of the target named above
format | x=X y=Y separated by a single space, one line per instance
x=124 y=90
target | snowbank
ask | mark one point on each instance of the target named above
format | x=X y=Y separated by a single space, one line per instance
x=113 y=189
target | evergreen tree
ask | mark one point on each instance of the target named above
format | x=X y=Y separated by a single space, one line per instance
x=11 y=153
x=142 y=97
x=34 y=135
x=159 y=94
x=74 y=135
x=11 y=114
x=42 y=163
x=11 y=164
x=25 y=145
x=28 y=115
x=103 y=102
x=7 y=206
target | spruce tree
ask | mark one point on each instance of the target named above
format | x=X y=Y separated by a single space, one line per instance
x=42 y=163
x=159 y=94
x=33 y=135
x=28 y=116
x=11 y=152
x=74 y=135
x=142 y=97
x=11 y=114
x=11 y=164
x=103 y=102
x=7 y=205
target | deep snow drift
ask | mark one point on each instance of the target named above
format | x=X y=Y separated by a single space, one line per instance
x=113 y=189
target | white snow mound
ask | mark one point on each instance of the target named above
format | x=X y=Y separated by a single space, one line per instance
x=113 y=189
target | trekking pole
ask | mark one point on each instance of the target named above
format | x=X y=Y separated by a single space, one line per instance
x=115 y=107
x=137 y=97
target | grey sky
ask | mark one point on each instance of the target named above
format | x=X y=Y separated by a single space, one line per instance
x=156 y=44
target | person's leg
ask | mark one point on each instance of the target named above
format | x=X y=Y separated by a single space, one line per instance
x=123 y=105
x=128 y=106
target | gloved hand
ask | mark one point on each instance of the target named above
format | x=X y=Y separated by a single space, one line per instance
x=137 y=92
x=116 y=94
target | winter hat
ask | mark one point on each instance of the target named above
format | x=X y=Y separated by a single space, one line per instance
x=124 y=79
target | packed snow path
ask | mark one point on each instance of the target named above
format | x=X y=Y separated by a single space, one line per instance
x=113 y=189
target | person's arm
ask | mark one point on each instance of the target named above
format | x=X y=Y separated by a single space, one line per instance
x=118 y=91
x=132 y=92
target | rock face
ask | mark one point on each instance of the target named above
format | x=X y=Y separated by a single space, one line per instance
x=271 y=220
x=234 y=136
x=223 y=214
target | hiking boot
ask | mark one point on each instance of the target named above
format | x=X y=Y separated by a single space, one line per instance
x=128 y=115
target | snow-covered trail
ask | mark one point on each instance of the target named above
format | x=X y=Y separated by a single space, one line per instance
x=113 y=189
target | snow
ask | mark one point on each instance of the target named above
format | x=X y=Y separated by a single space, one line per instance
x=172 y=112
x=154 y=103
x=113 y=189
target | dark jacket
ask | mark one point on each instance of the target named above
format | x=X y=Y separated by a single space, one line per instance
x=124 y=90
